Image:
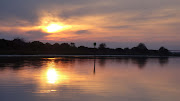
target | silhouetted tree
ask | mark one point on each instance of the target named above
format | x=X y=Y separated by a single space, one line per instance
x=19 y=46
x=140 y=49
x=163 y=51
x=65 y=45
x=56 y=46
x=94 y=44
x=119 y=50
x=142 y=46
x=72 y=45
x=126 y=50
x=48 y=46
x=3 y=44
x=102 y=46
x=36 y=45
x=18 y=43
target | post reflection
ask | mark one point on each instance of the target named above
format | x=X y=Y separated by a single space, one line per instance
x=94 y=66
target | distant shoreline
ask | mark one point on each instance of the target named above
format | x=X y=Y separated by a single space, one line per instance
x=18 y=47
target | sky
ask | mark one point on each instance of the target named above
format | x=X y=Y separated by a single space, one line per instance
x=118 y=23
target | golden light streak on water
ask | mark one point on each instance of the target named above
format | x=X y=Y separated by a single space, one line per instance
x=52 y=76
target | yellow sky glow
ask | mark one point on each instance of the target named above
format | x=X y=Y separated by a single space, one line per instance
x=54 y=28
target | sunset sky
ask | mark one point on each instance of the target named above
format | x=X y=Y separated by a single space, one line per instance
x=118 y=23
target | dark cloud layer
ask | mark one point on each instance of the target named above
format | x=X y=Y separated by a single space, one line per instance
x=30 y=35
x=83 y=32
x=9 y=35
x=27 y=9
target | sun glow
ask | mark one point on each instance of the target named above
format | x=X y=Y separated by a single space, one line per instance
x=51 y=28
x=52 y=76
x=52 y=23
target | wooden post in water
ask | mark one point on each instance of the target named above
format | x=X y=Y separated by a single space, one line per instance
x=94 y=57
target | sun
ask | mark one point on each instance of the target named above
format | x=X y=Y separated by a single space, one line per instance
x=52 y=28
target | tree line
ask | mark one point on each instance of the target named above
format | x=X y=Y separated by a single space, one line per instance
x=19 y=46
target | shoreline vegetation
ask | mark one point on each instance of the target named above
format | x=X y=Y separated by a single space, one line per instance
x=18 y=46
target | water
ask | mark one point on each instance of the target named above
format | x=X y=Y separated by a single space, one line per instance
x=83 y=79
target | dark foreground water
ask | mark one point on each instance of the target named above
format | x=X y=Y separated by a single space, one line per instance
x=79 y=79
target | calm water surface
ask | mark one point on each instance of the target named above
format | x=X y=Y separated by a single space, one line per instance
x=83 y=79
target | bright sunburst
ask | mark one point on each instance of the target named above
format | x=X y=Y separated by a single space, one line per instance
x=52 y=28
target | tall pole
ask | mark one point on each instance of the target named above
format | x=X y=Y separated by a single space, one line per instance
x=94 y=57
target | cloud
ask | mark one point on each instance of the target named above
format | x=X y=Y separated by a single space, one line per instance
x=106 y=18
x=28 y=9
x=117 y=27
x=82 y=32
x=36 y=34
x=9 y=35
x=30 y=35
x=159 y=14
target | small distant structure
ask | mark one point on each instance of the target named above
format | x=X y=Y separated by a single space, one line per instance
x=175 y=52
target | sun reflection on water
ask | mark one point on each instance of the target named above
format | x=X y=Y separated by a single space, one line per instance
x=52 y=76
